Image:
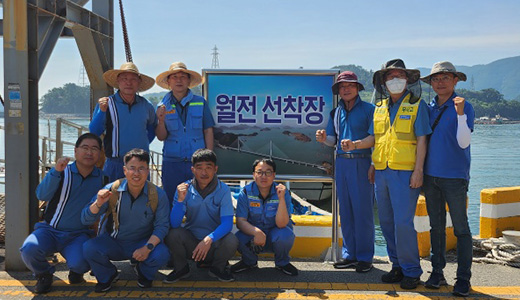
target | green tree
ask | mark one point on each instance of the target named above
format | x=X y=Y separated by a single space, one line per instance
x=69 y=99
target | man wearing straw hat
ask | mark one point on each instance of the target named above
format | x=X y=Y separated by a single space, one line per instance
x=351 y=121
x=185 y=124
x=446 y=174
x=127 y=119
x=398 y=135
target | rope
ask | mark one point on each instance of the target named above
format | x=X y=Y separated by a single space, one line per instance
x=128 y=52
x=498 y=252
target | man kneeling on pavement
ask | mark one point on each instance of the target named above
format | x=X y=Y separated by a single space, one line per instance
x=206 y=237
x=66 y=188
x=135 y=222
x=264 y=220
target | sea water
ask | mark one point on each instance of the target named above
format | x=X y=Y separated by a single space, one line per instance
x=495 y=159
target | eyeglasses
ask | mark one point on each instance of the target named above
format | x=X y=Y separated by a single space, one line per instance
x=89 y=149
x=138 y=170
x=443 y=78
x=264 y=173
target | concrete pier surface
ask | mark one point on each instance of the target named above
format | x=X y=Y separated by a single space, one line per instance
x=317 y=280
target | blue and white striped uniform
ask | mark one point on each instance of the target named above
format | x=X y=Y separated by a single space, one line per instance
x=125 y=127
x=67 y=193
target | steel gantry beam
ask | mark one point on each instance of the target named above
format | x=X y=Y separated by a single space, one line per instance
x=31 y=29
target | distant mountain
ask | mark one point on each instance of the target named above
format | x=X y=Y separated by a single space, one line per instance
x=502 y=75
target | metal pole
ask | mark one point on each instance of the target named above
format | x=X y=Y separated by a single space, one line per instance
x=59 y=144
x=21 y=126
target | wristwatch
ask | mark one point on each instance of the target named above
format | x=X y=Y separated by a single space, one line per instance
x=150 y=246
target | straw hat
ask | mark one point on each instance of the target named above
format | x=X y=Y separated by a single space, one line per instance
x=443 y=67
x=110 y=76
x=176 y=67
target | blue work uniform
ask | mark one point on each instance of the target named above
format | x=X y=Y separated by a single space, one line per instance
x=446 y=181
x=396 y=202
x=261 y=213
x=126 y=127
x=210 y=216
x=355 y=193
x=185 y=123
x=137 y=223
x=66 y=194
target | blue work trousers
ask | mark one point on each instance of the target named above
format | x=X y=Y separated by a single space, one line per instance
x=356 y=208
x=100 y=250
x=438 y=192
x=46 y=240
x=278 y=240
x=397 y=203
x=113 y=168
x=173 y=174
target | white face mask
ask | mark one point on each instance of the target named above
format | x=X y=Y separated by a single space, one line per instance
x=396 y=85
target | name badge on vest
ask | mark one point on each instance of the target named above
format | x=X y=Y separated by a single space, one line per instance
x=170 y=112
x=254 y=204
x=405 y=117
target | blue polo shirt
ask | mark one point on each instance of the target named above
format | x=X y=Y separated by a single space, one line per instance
x=260 y=212
x=445 y=158
x=67 y=193
x=353 y=124
x=422 y=122
x=137 y=221
x=125 y=126
x=203 y=215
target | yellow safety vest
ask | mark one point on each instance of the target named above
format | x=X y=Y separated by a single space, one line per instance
x=395 y=145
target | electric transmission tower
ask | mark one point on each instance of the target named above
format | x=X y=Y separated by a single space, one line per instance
x=214 y=62
x=82 y=78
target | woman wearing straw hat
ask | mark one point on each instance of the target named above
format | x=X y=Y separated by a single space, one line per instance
x=185 y=124
x=127 y=119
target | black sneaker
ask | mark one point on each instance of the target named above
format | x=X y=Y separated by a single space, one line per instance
x=224 y=276
x=461 y=288
x=44 y=283
x=288 y=269
x=345 y=263
x=242 y=266
x=435 y=281
x=395 y=275
x=363 y=266
x=142 y=281
x=75 y=278
x=410 y=283
x=176 y=276
x=105 y=286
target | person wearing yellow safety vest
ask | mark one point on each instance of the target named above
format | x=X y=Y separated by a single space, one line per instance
x=398 y=135
x=185 y=124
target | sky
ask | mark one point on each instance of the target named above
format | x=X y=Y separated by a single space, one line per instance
x=289 y=34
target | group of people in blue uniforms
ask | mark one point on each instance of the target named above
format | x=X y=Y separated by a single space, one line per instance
x=141 y=222
x=411 y=142
x=414 y=145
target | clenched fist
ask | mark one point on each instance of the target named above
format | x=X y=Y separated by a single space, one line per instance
x=61 y=164
x=459 y=105
x=103 y=104
x=182 y=190
x=161 y=113
x=280 y=191
x=103 y=196
x=321 y=135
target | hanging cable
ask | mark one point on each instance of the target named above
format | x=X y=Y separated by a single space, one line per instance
x=128 y=52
